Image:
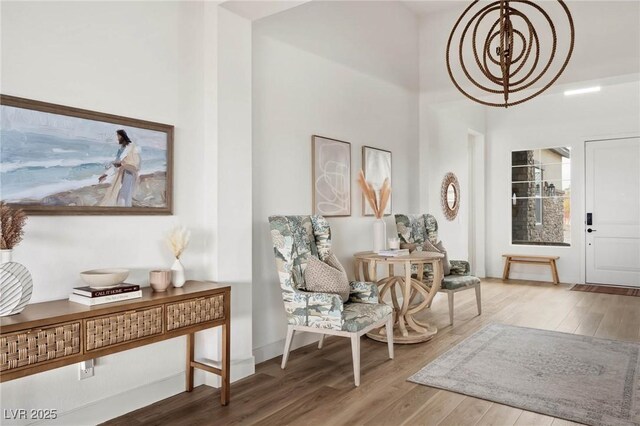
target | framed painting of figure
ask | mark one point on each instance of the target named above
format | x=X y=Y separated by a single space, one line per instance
x=376 y=165
x=59 y=160
x=331 y=174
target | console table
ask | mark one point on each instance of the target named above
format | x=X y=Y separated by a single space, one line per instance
x=54 y=334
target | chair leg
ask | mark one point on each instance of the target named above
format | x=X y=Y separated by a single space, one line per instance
x=355 y=350
x=479 y=299
x=390 y=335
x=321 y=341
x=287 y=345
x=450 y=294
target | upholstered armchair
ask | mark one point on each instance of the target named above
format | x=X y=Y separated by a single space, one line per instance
x=295 y=239
x=413 y=231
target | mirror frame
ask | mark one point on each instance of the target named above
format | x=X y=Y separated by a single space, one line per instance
x=450 y=179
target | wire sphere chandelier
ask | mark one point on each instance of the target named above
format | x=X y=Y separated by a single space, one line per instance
x=507 y=49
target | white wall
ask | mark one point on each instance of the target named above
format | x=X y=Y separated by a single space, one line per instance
x=234 y=181
x=549 y=121
x=444 y=133
x=444 y=147
x=446 y=116
x=149 y=60
x=340 y=90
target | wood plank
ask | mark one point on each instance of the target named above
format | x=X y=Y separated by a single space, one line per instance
x=385 y=397
x=528 y=418
x=436 y=409
x=468 y=412
x=500 y=415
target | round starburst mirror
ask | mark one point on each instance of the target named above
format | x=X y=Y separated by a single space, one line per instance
x=450 y=196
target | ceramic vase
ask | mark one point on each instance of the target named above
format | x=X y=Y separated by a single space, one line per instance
x=379 y=235
x=16 y=285
x=5 y=255
x=178 y=273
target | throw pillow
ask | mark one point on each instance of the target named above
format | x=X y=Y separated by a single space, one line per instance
x=439 y=248
x=427 y=246
x=446 y=266
x=410 y=246
x=324 y=278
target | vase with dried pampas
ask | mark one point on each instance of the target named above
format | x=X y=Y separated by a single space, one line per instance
x=378 y=204
x=16 y=285
x=13 y=221
x=178 y=240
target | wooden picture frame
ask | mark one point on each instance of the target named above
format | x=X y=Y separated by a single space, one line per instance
x=83 y=144
x=330 y=176
x=375 y=172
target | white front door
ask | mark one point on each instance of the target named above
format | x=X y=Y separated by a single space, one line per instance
x=613 y=200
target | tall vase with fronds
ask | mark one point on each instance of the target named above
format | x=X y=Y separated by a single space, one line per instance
x=178 y=240
x=16 y=285
x=378 y=205
x=12 y=229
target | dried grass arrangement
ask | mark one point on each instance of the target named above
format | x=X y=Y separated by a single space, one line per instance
x=377 y=205
x=12 y=226
x=178 y=240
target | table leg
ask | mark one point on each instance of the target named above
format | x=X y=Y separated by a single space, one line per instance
x=407 y=329
x=356 y=269
x=226 y=355
x=373 y=266
x=190 y=358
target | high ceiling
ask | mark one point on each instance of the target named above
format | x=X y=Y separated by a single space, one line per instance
x=429 y=7
x=256 y=9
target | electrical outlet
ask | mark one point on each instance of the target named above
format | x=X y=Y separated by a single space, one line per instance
x=86 y=370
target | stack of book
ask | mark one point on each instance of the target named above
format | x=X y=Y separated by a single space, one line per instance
x=393 y=252
x=92 y=296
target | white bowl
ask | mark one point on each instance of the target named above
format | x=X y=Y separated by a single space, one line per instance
x=104 y=278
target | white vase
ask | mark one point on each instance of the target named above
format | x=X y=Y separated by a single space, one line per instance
x=5 y=255
x=16 y=285
x=178 y=273
x=379 y=235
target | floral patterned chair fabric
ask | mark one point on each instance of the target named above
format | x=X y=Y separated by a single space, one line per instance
x=413 y=231
x=295 y=238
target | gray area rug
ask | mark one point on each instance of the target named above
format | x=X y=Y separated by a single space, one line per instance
x=579 y=378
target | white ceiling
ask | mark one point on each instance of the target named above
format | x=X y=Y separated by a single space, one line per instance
x=258 y=9
x=429 y=7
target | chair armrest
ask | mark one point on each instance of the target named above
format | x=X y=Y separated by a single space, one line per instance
x=321 y=310
x=363 y=292
x=460 y=267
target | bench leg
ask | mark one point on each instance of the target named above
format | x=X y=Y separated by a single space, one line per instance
x=507 y=266
x=450 y=294
x=554 y=271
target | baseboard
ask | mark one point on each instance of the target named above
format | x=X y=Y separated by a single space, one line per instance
x=276 y=348
x=122 y=403
x=240 y=368
x=133 y=399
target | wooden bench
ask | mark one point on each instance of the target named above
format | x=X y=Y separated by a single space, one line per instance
x=531 y=260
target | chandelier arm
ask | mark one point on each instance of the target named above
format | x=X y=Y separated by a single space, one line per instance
x=484 y=11
x=553 y=49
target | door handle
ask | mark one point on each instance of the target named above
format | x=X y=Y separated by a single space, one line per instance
x=589 y=230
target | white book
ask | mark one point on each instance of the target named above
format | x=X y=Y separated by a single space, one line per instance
x=393 y=253
x=89 y=301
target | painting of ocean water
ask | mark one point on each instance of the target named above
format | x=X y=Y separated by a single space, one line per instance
x=57 y=160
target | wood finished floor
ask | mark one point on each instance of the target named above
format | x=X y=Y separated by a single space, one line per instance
x=317 y=386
